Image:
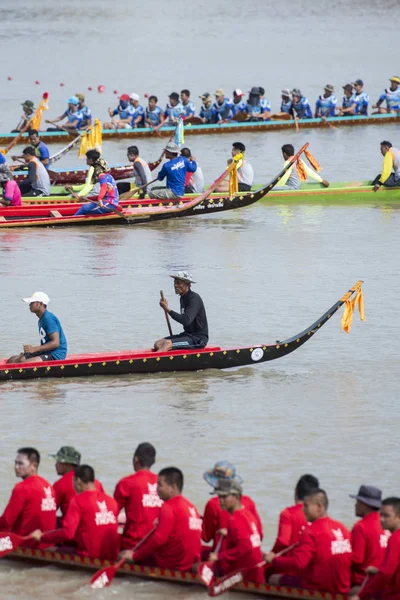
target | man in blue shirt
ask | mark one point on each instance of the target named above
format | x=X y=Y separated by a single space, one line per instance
x=41 y=150
x=124 y=111
x=153 y=113
x=207 y=113
x=175 y=171
x=348 y=103
x=326 y=104
x=361 y=98
x=136 y=119
x=188 y=107
x=72 y=114
x=53 y=343
x=391 y=96
x=300 y=105
x=85 y=110
x=224 y=107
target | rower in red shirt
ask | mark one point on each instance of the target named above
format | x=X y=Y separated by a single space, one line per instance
x=215 y=518
x=90 y=522
x=32 y=503
x=386 y=580
x=137 y=494
x=292 y=520
x=322 y=559
x=67 y=459
x=369 y=540
x=176 y=543
x=243 y=540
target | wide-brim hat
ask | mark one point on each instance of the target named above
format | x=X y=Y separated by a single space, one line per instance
x=395 y=78
x=296 y=92
x=29 y=104
x=223 y=469
x=285 y=92
x=348 y=87
x=255 y=91
x=68 y=455
x=369 y=495
x=329 y=87
x=172 y=147
x=183 y=276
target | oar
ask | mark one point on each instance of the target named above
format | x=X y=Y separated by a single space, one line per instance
x=128 y=195
x=10 y=542
x=166 y=314
x=364 y=583
x=224 y=584
x=206 y=570
x=324 y=120
x=104 y=577
x=296 y=122
x=60 y=126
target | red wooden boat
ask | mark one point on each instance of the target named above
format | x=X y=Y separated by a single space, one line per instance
x=78 y=176
x=147 y=361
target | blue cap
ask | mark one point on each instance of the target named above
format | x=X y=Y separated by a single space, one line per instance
x=223 y=469
x=73 y=100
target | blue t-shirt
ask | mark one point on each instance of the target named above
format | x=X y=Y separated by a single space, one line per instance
x=302 y=108
x=154 y=116
x=286 y=106
x=348 y=102
x=137 y=112
x=392 y=99
x=361 y=100
x=49 y=324
x=241 y=107
x=42 y=152
x=326 y=107
x=124 y=112
x=175 y=171
x=172 y=113
x=209 y=114
x=265 y=105
x=74 y=116
x=86 y=116
x=2 y=158
x=189 y=109
x=226 y=110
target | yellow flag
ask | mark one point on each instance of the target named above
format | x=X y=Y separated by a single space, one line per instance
x=233 y=175
x=349 y=308
x=91 y=139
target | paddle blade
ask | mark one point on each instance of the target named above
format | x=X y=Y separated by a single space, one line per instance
x=206 y=573
x=103 y=578
x=226 y=583
x=9 y=542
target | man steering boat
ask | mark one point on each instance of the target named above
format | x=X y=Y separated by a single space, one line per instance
x=192 y=316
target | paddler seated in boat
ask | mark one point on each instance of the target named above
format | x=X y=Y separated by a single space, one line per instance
x=194 y=183
x=301 y=108
x=326 y=103
x=391 y=96
x=97 y=165
x=245 y=172
x=172 y=112
x=141 y=171
x=41 y=150
x=85 y=110
x=28 y=108
x=242 y=547
x=153 y=113
x=37 y=183
x=322 y=560
x=72 y=114
x=361 y=98
x=32 y=502
x=215 y=518
x=188 y=106
x=349 y=104
x=286 y=106
x=53 y=343
x=123 y=112
x=192 y=316
x=11 y=195
x=90 y=523
x=67 y=459
x=176 y=542
x=105 y=202
x=254 y=109
x=137 y=495
x=291 y=179
x=265 y=105
x=136 y=119
x=174 y=170
x=239 y=102
x=207 y=113
x=384 y=582
x=223 y=107
x=390 y=176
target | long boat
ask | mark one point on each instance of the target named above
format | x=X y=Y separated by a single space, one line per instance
x=147 y=361
x=78 y=176
x=52 y=557
x=231 y=127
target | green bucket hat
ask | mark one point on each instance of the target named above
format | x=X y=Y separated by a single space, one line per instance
x=29 y=104
x=67 y=454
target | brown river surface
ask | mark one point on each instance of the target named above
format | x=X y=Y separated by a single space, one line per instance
x=265 y=273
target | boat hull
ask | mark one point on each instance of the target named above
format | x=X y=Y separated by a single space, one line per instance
x=78 y=176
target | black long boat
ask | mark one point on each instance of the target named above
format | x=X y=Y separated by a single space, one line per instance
x=147 y=361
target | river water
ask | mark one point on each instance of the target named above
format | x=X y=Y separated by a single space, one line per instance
x=265 y=273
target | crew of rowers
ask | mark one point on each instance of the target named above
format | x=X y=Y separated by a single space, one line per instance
x=130 y=113
x=320 y=553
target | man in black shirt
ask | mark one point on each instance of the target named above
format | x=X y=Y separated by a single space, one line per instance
x=192 y=317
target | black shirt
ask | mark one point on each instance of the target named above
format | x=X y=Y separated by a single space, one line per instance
x=193 y=315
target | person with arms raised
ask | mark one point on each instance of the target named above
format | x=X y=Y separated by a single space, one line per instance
x=90 y=522
x=322 y=560
x=192 y=316
x=137 y=495
x=32 y=504
x=174 y=170
x=176 y=542
x=53 y=343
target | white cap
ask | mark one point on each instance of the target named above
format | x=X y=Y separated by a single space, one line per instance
x=135 y=97
x=37 y=297
x=238 y=92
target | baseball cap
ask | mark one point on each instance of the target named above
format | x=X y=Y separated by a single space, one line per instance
x=228 y=487
x=238 y=93
x=222 y=469
x=219 y=92
x=67 y=454
x=184 y=276
x=80 y=96
x=135 y=97
x=205 y=95
x=37 y=297
x=73 y=100
x=358 y=82
x=124 y=97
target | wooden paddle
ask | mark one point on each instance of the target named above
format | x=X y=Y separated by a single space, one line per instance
x=296 y=122
x=104 y=577
x=226 y=583
x=10 y=542
x=324 y=120
x=128 y=195
x=61 y=127
x=205 y=569
x=166 y=314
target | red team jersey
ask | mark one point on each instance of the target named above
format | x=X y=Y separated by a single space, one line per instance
x=322 y=558
x=65 y=491
x=176 y=543
x=137 y=494
x=32 y=506
x=215 y=518
x=91 y=522
x=369 y=542
x=243 y=546
x=292 y=523
x=387 y=580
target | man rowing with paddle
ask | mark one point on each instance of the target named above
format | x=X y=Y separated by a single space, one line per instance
x=53 y=343
x=32 y=503
x=291 y=179
x=29 y=110
x=72 y=114
x=41 y=150
x=192 y=316
x=90 y=523
x=390 y=176
x=176 y=542
x=174 y=170
x=37 y=183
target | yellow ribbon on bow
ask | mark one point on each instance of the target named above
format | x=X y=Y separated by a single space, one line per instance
x=233 y=168
x=91 y=139
x=37 y=117
x=349 y=308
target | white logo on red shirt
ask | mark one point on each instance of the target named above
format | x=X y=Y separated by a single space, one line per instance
x=5 y=543
x=194 y=520
x=152 y=499
x=340 y=545
x=384 y=538
x=105 y=516
x=255 y=537
x=48 y=503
